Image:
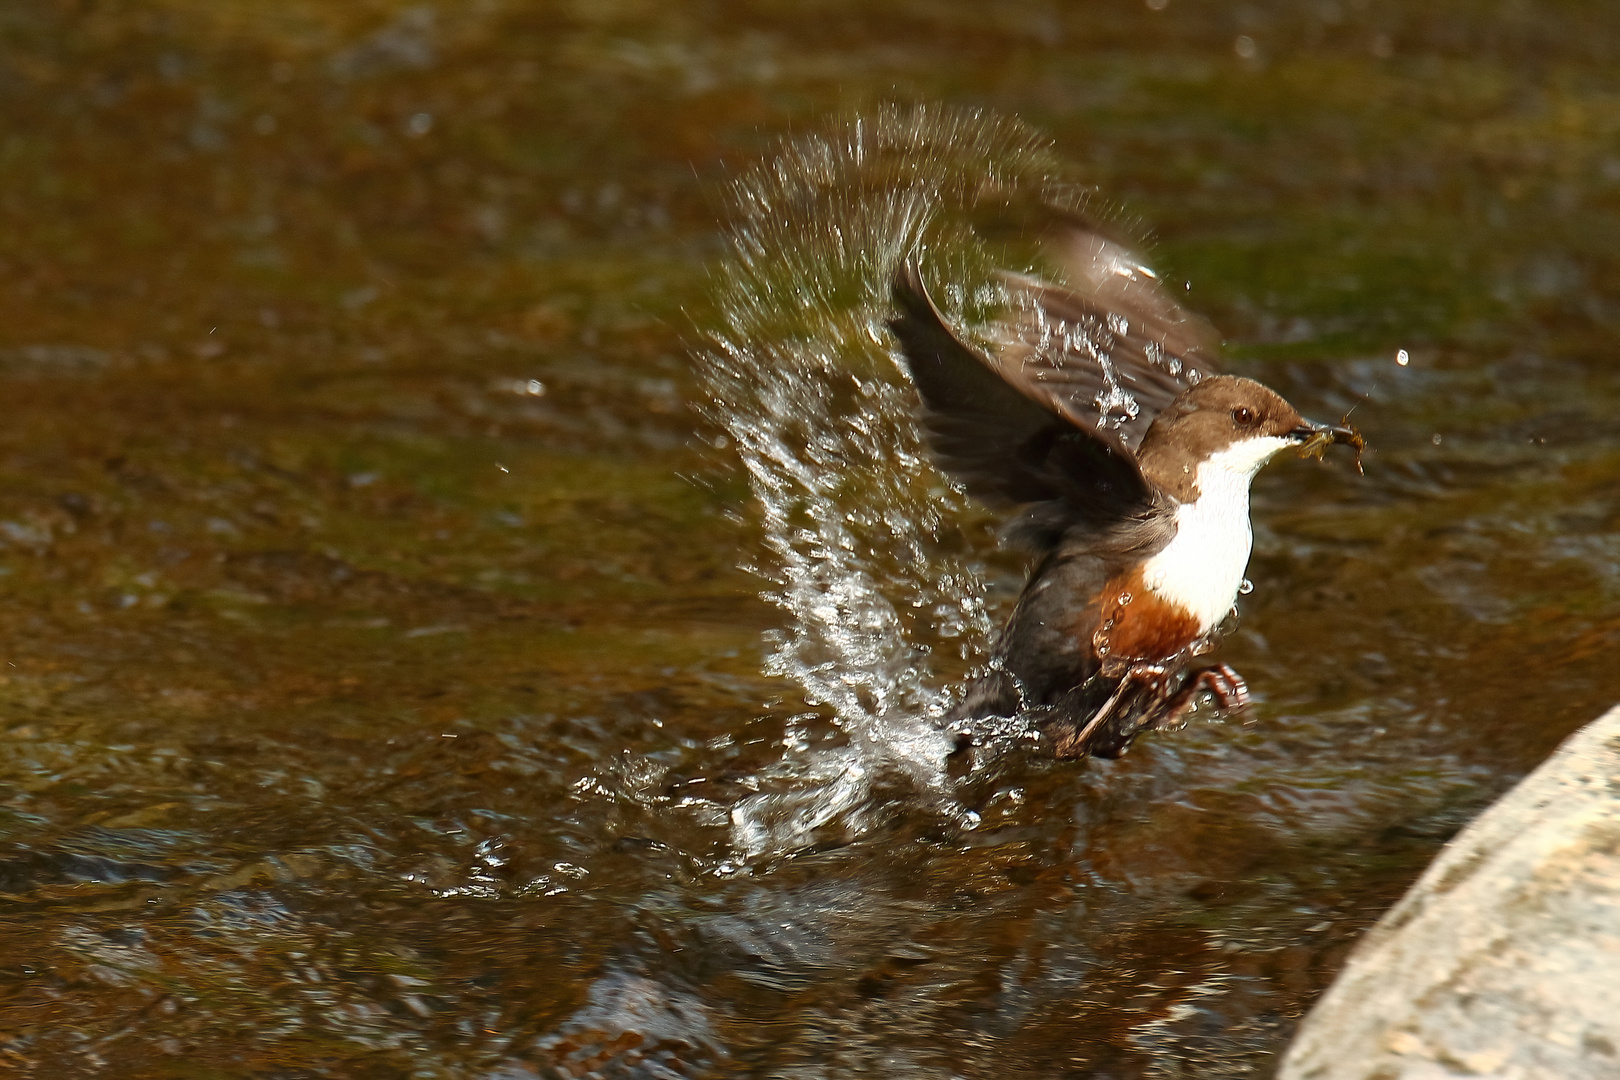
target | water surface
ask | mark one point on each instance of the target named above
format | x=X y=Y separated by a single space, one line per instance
x=383 y=693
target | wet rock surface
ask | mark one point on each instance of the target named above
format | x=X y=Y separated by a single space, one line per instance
x=1504 y=958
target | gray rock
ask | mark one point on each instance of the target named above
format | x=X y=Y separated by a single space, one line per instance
x=1504 y=959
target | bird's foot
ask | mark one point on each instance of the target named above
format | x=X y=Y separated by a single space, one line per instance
x=1226 y=686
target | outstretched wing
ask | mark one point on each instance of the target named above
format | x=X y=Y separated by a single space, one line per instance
x=1002 y=442
x=1108 y=350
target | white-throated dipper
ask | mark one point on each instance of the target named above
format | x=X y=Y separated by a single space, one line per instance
x=1096 y=409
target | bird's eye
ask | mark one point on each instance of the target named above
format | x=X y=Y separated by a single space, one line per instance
x=1243 y=415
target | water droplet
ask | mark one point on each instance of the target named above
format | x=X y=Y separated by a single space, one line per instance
x=1402 y=358
x=1245 y=47
x=1245 y=587
x=1435 y=438
x=1124 y=598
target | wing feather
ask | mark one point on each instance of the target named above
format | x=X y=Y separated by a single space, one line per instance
x=1108 y=350
x=1004 y=443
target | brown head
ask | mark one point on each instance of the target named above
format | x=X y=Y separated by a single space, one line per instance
x=1235 y=423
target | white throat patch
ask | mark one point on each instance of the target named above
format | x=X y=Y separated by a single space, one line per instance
x=1201 y=569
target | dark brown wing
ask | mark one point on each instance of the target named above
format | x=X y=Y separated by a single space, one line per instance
x=1002 y=443
x=1110 y=349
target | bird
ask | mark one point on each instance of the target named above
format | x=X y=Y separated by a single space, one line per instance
x=1093 y=410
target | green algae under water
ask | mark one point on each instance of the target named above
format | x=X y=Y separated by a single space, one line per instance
x=379 y=681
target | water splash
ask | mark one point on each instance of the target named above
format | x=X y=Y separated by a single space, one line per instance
x=853 y=520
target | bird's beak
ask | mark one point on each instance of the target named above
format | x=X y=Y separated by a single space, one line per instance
x=1310 y=431
x=1314 y=438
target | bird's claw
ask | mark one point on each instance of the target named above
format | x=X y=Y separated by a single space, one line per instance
x=1221 y=682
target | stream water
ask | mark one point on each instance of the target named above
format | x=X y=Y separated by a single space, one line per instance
x=473 y=598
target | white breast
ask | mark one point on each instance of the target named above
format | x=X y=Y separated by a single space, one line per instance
x=1201 y=569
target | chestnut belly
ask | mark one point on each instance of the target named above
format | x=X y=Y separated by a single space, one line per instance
x=1136 y=625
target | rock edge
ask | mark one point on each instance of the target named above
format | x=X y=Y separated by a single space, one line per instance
x=1503 y=960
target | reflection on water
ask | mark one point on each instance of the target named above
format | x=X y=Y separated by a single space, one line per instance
x=381 y=694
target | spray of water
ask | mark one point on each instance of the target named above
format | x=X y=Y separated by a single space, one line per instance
x=803 y=382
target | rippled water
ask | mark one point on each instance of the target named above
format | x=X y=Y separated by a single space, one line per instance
x=407 y=407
